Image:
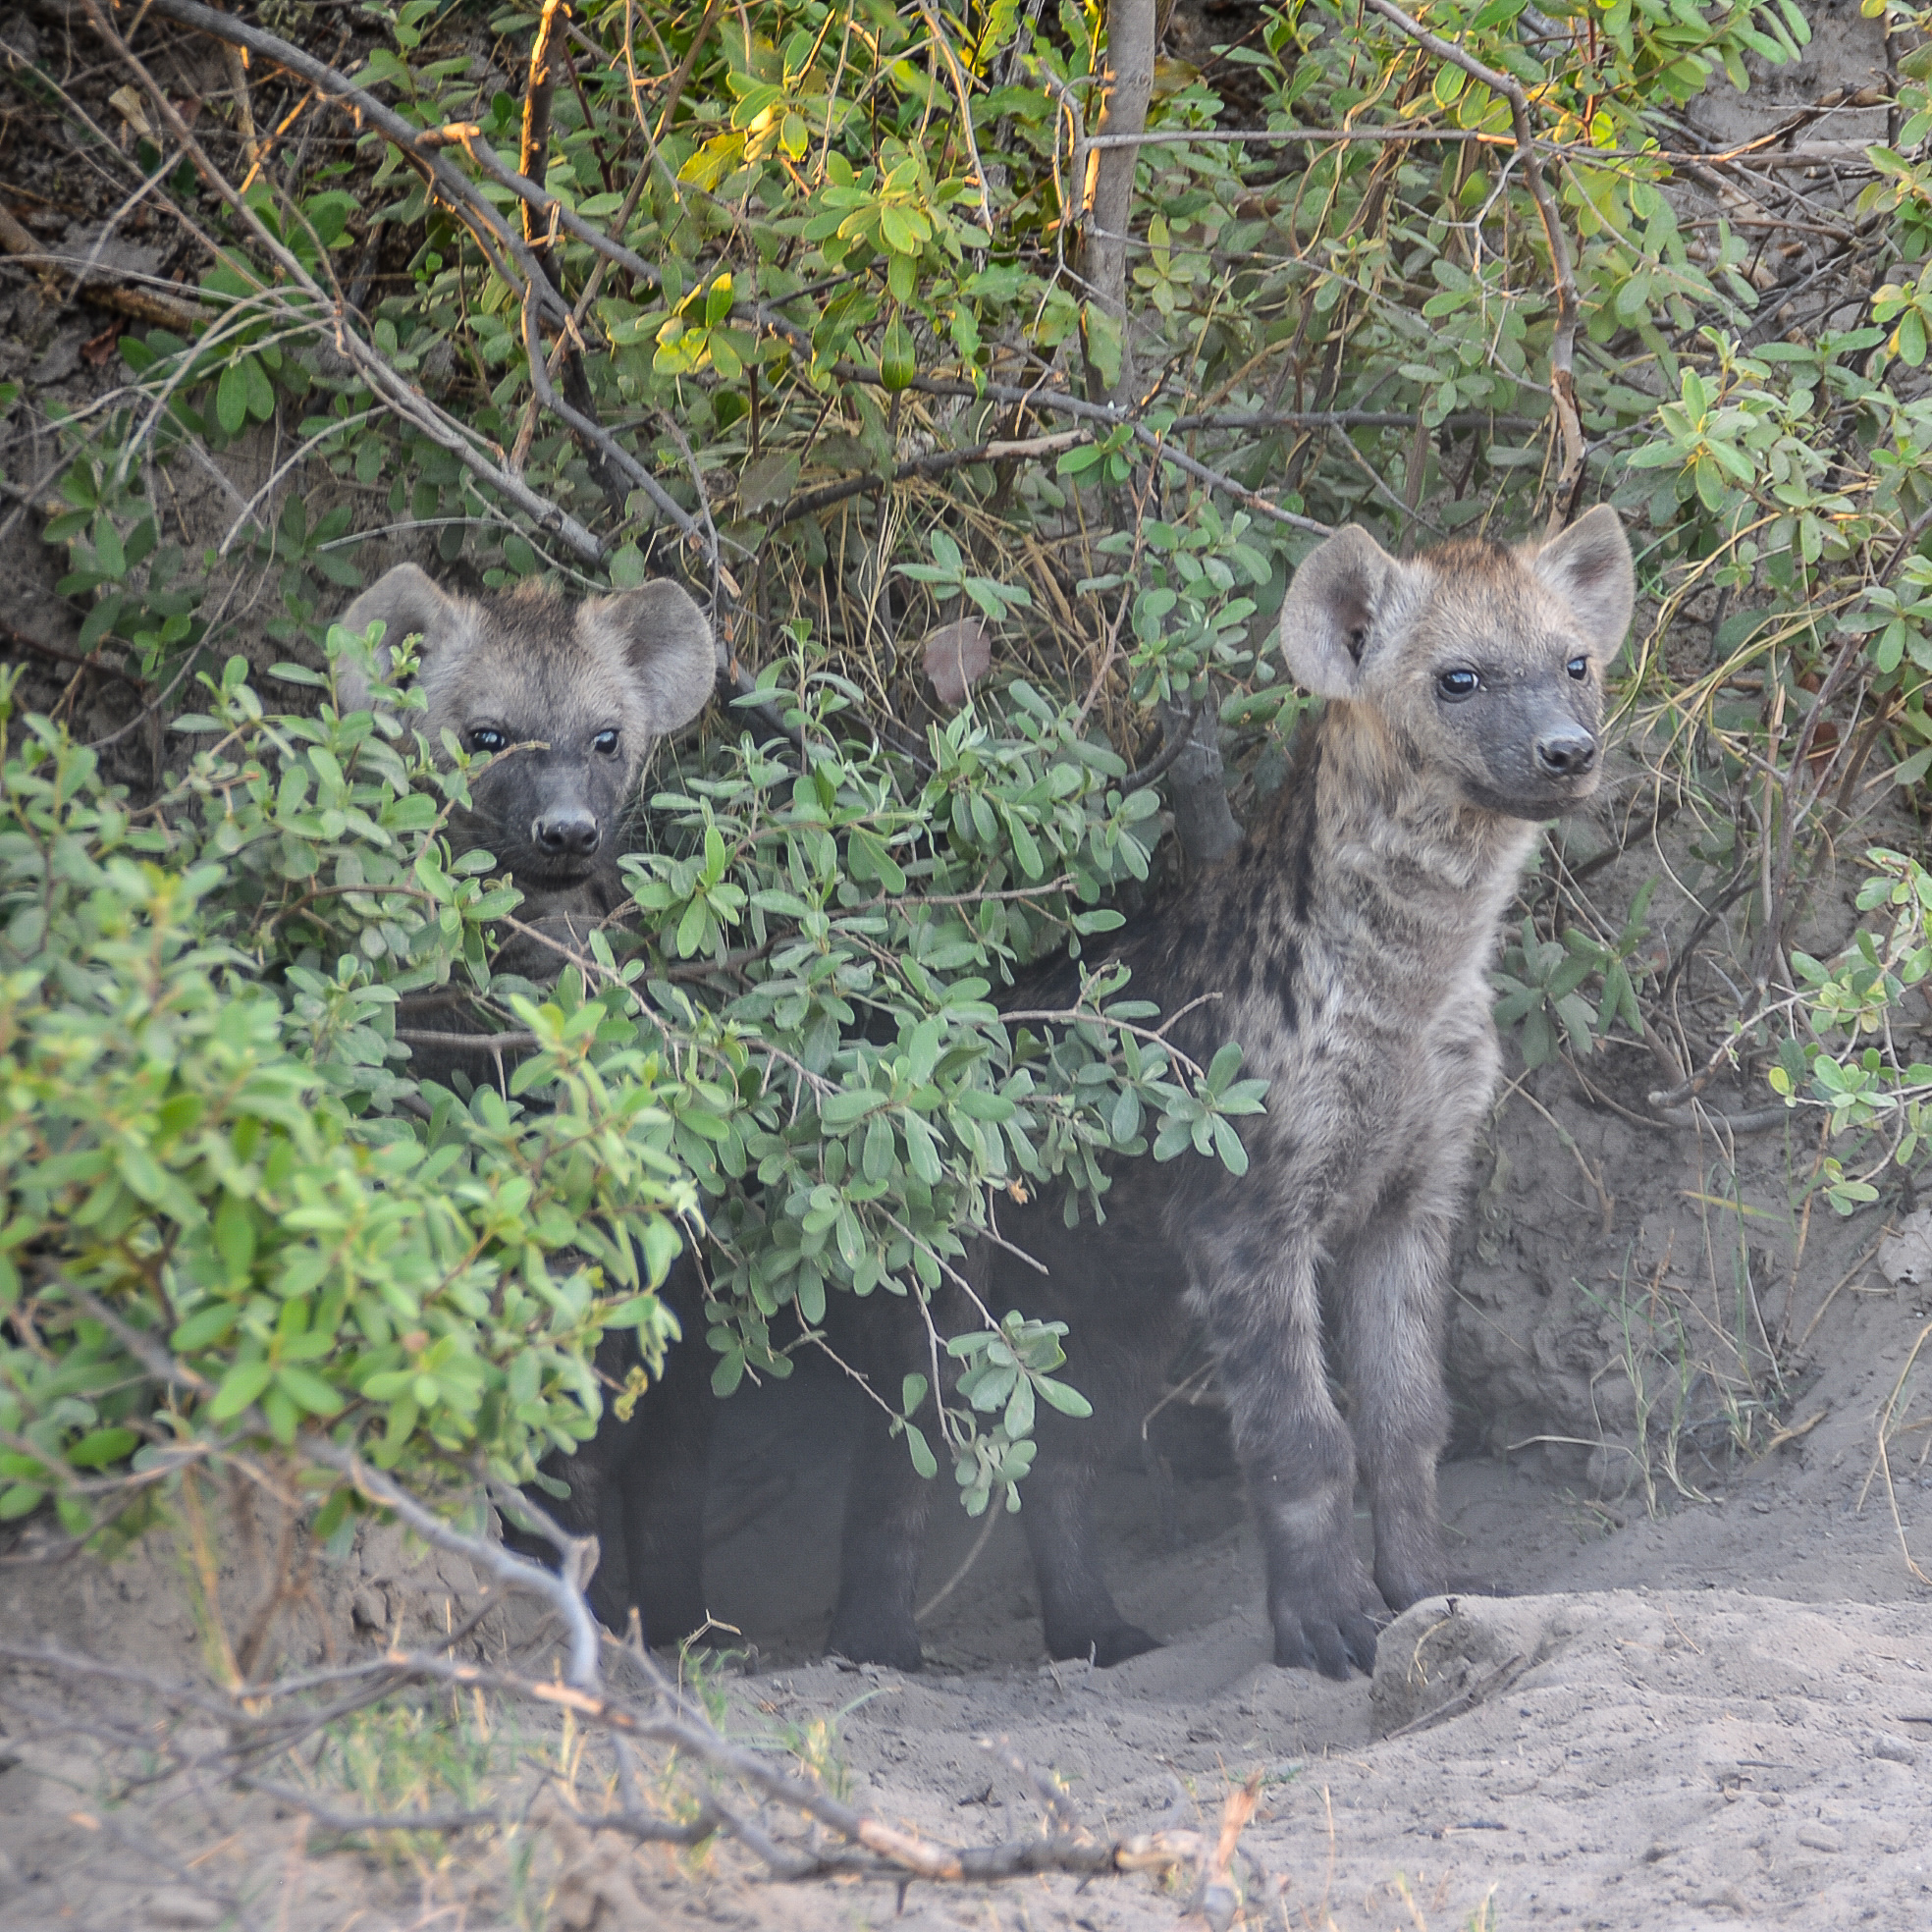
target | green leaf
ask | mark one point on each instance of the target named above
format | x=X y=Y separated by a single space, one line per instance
x=1222 y=1068
x=898 y=361
x=1068 y=1401
x=309 y=1391
x=923 y=1458
x=242 y=1386
x=260 y=392
x=100 y=1447
x=231 y=398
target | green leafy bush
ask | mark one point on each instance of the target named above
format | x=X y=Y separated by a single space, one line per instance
x=213 y=1145
x=848 y=345
x=1851 y=1056
x=209 y=1150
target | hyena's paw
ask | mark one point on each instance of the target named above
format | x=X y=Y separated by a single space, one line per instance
x=874 y=1638
x=1329 y=1623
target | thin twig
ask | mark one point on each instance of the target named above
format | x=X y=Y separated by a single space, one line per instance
x=1563 y=337
x=518 y=1572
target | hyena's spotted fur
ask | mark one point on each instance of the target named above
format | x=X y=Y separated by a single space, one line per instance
x=1346 y=944
x=567 y=700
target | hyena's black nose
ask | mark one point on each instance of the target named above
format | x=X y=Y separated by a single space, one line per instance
x=565 y=835
x=1566 y=753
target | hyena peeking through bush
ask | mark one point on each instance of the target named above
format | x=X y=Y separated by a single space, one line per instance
x=1346 y=944
x=574 y=695
x=568 y=701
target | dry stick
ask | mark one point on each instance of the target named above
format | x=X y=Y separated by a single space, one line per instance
x=518 y=1572
x=1319 y=137
x=632 y=195
x=1563 y=338
x=677 y=1723
x=1061 y=1812
x=1881 y=1457
x=533 y=156
x=490 y=1043
x=1057 y=403
x=1215 y=1901
x=408 y=401
x=49 y=1657
x=138 y=304
x=267 y=148
x=589 y=431
x=961 y=88
x=22 y=641
x=675 y=87
x=1345 y=419
x=533 y=162
x=244 y=108
x=1605 y=1199
x=936 y=463
x=1216 y=479
x=424 y=145
x=959 y=1576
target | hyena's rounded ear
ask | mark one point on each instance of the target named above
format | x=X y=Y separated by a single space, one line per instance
x=408 y=603
x=668 y=645
x=1589 y=567
x=1329 y=615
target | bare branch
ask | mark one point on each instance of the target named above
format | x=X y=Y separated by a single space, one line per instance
x=519 y=1571
x=1108 y=190
x=533 y=159
x=1563 y=337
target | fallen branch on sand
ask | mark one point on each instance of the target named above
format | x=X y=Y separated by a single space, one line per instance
x=637 y=1706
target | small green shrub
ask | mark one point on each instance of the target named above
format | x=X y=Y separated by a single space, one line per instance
x=227 y=1204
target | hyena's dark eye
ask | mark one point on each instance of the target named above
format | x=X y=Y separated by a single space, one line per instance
x=607 y=743
x=486 y=738
x=1456 y=685
x=1578 y=668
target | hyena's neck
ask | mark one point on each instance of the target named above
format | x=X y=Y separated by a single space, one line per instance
x=1373 y=849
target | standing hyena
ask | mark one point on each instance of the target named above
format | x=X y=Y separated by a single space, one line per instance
x=573 y=697
x=1346 y=944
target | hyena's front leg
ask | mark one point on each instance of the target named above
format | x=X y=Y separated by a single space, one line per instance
x=1258 y=1296
x=1391 y=1288
x=887 y=1500
x=663 y=1477
x=886 y=1506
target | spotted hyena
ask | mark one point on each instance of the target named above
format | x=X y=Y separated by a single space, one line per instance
x=566 y=701
x=1346 y=944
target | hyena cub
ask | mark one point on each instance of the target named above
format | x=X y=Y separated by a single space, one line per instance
x=573 y=697
x=1346 y=944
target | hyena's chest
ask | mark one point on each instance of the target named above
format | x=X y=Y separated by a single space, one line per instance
x=1379 y=1070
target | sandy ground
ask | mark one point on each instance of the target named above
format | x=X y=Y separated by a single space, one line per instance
x=1720 y=1715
